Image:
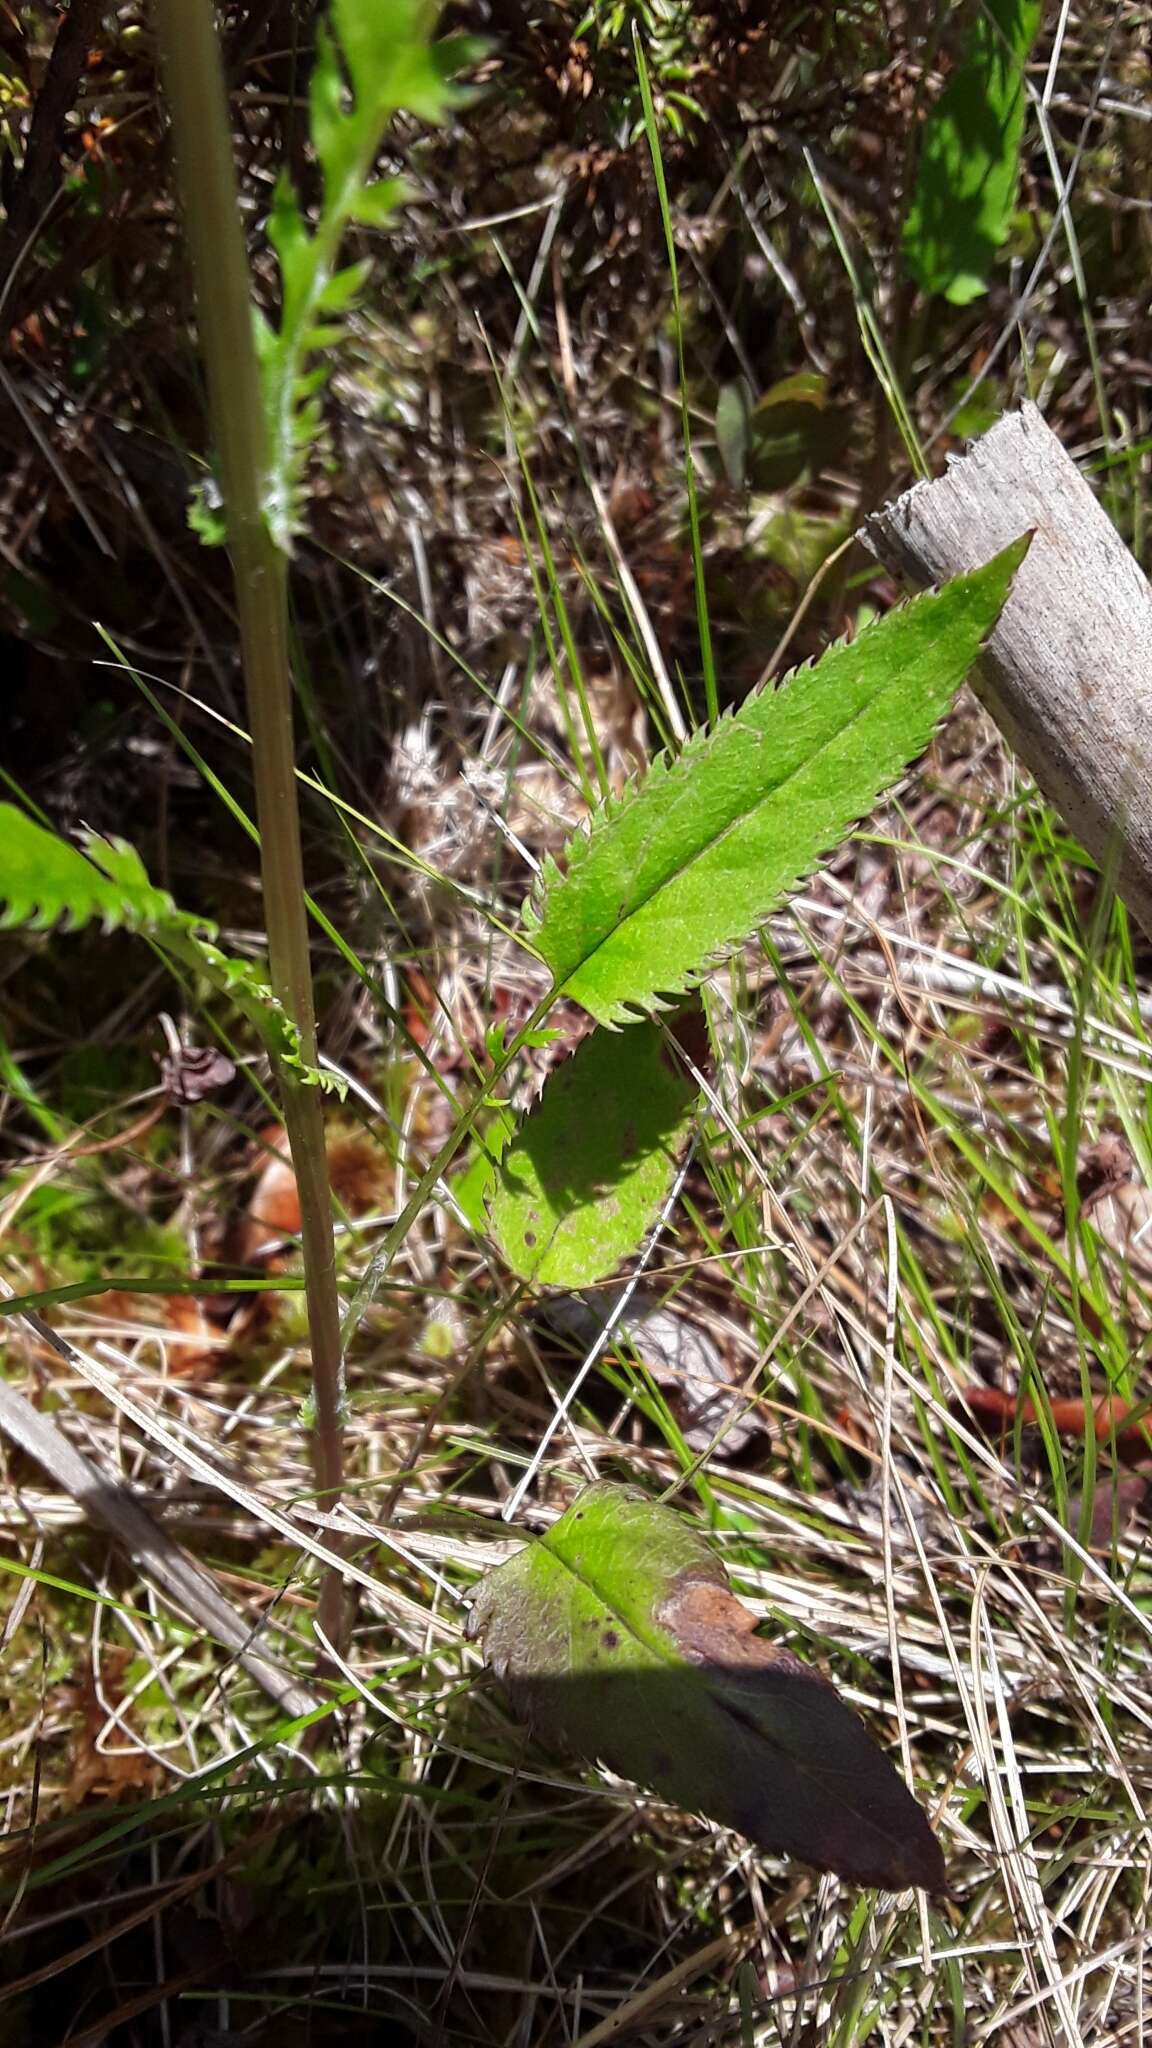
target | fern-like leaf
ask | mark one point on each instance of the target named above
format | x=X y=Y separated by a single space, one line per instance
x=376 y=60
x=243 y=983
x=46 y=881
x=692 y=858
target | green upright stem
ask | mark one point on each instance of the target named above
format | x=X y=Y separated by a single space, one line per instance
x=206 y=175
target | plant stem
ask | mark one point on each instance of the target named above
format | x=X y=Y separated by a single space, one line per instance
x=206 y=176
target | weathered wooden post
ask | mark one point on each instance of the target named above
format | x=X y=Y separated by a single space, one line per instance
x=1068 y=672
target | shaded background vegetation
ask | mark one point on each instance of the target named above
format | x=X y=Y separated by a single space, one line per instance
x=534 y=247
x=517 y=326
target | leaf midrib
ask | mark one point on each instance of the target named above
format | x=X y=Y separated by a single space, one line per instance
x=666 y=1655
x=717 y=839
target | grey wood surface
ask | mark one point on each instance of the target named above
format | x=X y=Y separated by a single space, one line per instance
x=1068 y=671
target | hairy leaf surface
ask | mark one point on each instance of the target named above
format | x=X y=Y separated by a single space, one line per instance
x=689 y=860
x=618 y=1637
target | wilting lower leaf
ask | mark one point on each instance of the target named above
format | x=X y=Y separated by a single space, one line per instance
x=585 y=1174
x=618 y=1638
x=692 y=858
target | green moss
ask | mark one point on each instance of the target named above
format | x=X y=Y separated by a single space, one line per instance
x=79 y=1229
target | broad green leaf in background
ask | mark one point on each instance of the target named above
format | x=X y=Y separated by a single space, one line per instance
x=689 y=860
x=965 y=188
x=794 y=430
x=618 y=1637
x=583 y=1177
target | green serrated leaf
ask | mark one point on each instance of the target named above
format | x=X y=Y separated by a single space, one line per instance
x=618 y=1637
x=243 y=983
x=584 y=1177
x=965 y=188
x=689 y=860
x=45 y=881
x=125 y=869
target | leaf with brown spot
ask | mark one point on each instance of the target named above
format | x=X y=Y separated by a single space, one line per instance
x=618 y=1637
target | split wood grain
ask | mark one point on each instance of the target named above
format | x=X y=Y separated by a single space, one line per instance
x=1068 y=671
